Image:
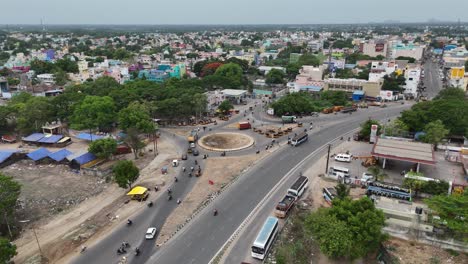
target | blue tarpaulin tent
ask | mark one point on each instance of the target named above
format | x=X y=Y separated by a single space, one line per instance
x=50 y=139
x=5 y=154
x=87 y=136
x=38 y=154
x=85 y=158
x=60 y=155
x=33 y=137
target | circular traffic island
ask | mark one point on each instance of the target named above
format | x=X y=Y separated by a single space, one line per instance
x=225 y=141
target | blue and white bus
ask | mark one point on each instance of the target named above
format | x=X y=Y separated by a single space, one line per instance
x=265 y=238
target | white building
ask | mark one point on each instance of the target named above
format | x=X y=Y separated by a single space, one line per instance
x=46 y=78
x=408 y=50
x=374 y=48
x=413 y=77
x=314 y=45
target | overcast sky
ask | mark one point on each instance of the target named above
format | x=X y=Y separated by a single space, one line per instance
x=228 y=11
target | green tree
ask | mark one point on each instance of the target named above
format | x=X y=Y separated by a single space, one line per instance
x=409 y=59
x=7 y=250
x=125 y=173
x=134 y=141
x=435 y=132
x=34 y=114
x=275 y=76
x=335 y=97
x=94 y=112
x=396 y=128
x=60 y=77
x=378 y=173
x=366 y=128
x=13 y=81
x=342 y=191
x=230 y=71
x=136 y=115
x=9 y=194
x=292 y=69
x=225 y=106
x=294 y=103
x=454 y=210
x=103 y=148
x=451 y=93
x=308 y=59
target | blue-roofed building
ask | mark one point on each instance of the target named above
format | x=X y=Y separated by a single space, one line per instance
x=38 y=154
x=33 y=138
x=7 y=157
x=50 y=139
x=60 y=155
x=89 y=137
x=81 y=160
x=358 y=95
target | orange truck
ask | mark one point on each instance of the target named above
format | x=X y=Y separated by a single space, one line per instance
x=243 y=125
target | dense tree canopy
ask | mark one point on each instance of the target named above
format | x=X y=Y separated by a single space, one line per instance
x=350 y=228
x=275 y=76
x=103 y=148
x=450 y=107
x=94 y=112
x=7 y=250
x=454 y=210
x=137 y=116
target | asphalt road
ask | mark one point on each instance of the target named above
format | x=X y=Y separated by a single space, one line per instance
x=199 y=241
x=432 y=80
x=105 y=251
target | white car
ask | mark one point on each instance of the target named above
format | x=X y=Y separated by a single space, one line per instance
x=343 y=157
x=366 y=177
x=151 y=233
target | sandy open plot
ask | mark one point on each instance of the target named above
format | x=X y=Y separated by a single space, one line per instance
x=98 y=211
x=226 y=141
x=231 y=167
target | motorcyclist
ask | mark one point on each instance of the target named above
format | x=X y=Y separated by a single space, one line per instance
x=129 y=222
x=137 y=251
x=215 y=212
x=175 y=179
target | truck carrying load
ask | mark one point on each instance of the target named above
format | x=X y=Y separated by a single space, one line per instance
x=288 y=119
x=348 y=109
x=243 y=125
x=297 y=189
x=193 y=137
x=284 y=206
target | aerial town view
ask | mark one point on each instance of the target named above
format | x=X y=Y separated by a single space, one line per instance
x=268 y=132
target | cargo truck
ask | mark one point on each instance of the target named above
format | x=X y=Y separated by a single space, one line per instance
x=284 y=206
x=288 y=119
x=243 y=125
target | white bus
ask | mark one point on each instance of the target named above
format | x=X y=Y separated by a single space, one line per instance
x=299 y=186
x=339 y=171
x=265 y=238
x=297 y=140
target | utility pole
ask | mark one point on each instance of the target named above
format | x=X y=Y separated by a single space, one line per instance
x=328 y=159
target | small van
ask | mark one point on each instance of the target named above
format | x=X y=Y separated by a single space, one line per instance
x=343 y=157
x=339 y=171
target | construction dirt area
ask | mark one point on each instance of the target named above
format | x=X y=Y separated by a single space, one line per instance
x=203 y=191
x=68 y=208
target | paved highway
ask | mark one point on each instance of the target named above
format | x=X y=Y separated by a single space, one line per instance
x=432 y=80
x=199 y=241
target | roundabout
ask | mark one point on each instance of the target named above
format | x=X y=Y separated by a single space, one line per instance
x=225 y=141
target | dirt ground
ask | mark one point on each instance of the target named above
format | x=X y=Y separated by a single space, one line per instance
x=201 y=192
x=86 y=221
x=408 y=252
x=226 y=140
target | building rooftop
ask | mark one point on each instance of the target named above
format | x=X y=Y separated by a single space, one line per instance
x=404 y=150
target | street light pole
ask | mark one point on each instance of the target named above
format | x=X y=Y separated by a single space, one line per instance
x=328 y=159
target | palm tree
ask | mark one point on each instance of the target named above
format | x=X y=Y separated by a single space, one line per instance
x=378 y=173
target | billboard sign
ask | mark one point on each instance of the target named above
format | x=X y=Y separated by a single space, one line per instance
x=373 y=133
x=386 y=95
x=271 y=111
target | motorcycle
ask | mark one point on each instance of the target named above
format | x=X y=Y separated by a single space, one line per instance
x=150 y=204
x=215 y=212
x=169 y=197
x=129 y=222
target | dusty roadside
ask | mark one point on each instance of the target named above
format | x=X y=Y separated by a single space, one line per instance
x=89 y=220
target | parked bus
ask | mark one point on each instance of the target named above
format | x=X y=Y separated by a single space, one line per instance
x=299 y=186
x=339 y=171
x=329 y=194
x=265 y=238
x=299 y=139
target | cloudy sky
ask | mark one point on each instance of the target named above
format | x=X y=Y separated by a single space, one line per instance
x=228 y=11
